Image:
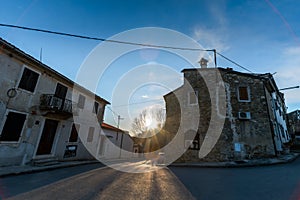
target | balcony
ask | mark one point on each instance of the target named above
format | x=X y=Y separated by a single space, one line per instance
x=56 y=105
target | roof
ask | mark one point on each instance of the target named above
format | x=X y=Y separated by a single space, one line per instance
x=295 y=111
x=110 y=127
x=16 y=52
x=229 y=70
x=266 y=77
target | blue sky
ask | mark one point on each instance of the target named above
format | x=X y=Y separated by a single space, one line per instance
x=260 y=35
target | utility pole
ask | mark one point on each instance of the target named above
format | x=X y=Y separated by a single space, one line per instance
x=119 y=118
x=41 y=54
x=215 y=57
x=121 y=144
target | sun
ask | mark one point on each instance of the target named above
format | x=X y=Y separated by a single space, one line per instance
x=150 y=122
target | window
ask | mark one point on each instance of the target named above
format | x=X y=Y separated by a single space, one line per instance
x=243 y=94
x=90 y=134
x=13 y=126
x=28 y=80
x=193 y=98
x=61 y=91
x=192 y=140
x=81 y=101
x=96 y=107
x=74 y=133
x=195 y=143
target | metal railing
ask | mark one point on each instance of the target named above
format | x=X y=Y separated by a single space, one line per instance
x=51 y=102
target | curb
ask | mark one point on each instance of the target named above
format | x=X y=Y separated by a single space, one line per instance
x=34 y=169
x=235 y=164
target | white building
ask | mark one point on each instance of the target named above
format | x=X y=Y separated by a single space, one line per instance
x=115 y=143
x=36 y=112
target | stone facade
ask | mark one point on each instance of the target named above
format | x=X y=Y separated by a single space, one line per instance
x=234 y=113
x=294 y=126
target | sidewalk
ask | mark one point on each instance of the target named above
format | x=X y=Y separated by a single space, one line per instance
x=15 y=170
x=242 y=163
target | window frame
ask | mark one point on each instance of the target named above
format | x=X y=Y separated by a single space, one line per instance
x=90 y=136
x=248 y=93
x=96 y=110
x=21 y=131
x=83 y=98
x=75 y=127
x=195 y=92
x=20 y=78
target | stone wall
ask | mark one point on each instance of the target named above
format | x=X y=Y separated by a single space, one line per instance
x=240 y=138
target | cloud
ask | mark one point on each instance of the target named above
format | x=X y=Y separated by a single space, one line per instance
x=145 y=96
x=288 y=73
x=210 y=38
x=217 y=11
x=214 y=38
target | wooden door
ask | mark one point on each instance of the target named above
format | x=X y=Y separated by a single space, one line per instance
x=47 y=138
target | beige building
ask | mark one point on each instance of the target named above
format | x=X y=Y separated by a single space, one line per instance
x=44 y=116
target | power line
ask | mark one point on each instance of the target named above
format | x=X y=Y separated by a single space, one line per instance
x=135 y=103
x=234 y=62
x=101 y=39
x=125 y=42
x=113 y=111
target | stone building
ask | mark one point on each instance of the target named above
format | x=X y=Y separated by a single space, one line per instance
x=294 y=126
x=222 y=115
x=44 y=116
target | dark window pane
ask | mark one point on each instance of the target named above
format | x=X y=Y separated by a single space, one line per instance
x=96 y=106
x=13 y=127
x=74 y=133
x=61 y=91
x=28 y=80
x=243 y=93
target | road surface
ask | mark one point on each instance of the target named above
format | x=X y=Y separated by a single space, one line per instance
x=274 y=182
x=107 y=183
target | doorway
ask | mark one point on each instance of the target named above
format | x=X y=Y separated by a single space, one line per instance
x=47 y=138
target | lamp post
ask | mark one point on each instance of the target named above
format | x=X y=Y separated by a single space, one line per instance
x=289 y=88
x=121 y=144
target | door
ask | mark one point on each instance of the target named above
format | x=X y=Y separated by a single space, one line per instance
x=47 y=138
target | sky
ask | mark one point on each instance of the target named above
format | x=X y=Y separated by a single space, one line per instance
x=262 y=36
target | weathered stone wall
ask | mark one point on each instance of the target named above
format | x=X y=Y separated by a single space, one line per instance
x=252 y=136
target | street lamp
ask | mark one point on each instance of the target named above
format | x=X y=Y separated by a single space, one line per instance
x=288 y=88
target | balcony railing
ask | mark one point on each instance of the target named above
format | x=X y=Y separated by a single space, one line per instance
x=53 y=103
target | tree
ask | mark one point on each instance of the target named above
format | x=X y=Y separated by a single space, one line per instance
x=149 y=122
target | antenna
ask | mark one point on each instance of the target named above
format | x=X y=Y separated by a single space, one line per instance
x=41 y=54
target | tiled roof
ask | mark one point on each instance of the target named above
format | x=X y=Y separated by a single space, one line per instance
x=110 y=127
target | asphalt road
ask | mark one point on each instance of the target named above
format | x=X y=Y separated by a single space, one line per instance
x=273 y=182
x=268 y=182
x=14 y=185
x=107 y=183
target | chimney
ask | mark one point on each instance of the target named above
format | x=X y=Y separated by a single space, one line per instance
x=203 y=63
